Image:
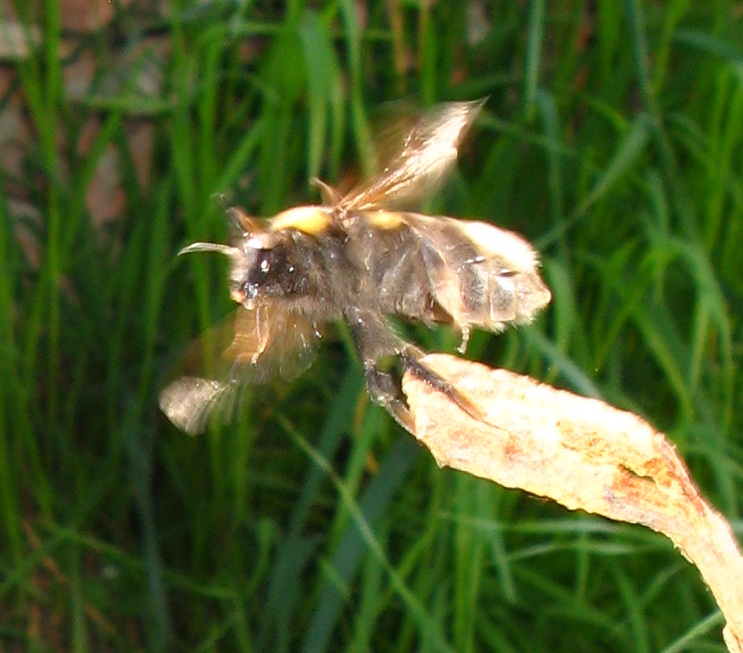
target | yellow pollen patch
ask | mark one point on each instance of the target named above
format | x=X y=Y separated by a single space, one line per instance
x=312 y=220
x=385 y=219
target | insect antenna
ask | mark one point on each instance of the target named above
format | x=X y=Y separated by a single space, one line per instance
x=227 y=250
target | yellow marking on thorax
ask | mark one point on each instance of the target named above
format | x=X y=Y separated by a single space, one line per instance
x=311 y=220
x=385 y=219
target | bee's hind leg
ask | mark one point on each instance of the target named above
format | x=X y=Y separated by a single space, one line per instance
x=375 y=341
x=411 y=358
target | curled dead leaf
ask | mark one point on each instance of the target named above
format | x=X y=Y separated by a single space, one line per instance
x=582 y=453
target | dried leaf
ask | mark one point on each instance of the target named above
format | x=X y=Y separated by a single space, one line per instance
x=582 y=453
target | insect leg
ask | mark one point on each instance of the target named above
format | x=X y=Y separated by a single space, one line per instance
x=384 y=390
x=411 y=360
x=375 y=341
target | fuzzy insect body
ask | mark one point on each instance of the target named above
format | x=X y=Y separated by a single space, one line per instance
x=355 y=259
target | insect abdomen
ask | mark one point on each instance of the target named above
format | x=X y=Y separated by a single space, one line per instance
x=485 y=276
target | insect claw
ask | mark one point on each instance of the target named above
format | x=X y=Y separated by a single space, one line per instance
x=385 y=392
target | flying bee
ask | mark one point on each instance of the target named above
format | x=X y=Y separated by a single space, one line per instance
x=355 y=259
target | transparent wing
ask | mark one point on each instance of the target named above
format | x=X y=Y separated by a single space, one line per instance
x=270 y=342
x=189 y=401
x=252 y=348
x=420 y=157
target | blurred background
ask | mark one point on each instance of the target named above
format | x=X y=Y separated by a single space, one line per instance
x=611 y=139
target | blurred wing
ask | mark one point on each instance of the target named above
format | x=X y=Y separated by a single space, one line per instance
x=189 y=401
x=270 y=342
x=420 y=157
x=254 y=347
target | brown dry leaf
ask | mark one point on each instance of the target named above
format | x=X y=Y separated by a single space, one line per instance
x=583 y=454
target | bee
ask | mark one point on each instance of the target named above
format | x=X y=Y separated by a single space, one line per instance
x=354 y=258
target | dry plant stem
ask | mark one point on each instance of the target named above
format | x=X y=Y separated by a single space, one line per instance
x=585 y=455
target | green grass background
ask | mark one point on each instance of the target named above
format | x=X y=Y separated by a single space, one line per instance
x=612 y=139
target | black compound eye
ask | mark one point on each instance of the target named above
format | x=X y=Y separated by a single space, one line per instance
x=261 y=266
x=264 y=262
